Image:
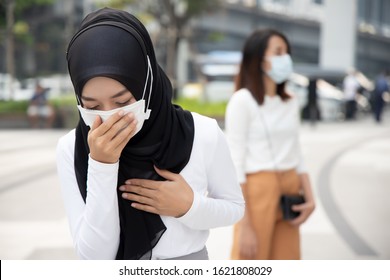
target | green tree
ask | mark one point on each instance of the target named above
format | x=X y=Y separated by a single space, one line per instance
x=11 y=20
x=174 y=16
x=116 y=4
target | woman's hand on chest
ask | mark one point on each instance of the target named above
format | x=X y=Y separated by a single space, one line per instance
x=172 y=197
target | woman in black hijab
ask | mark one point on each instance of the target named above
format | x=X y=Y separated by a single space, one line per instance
x=136 y=170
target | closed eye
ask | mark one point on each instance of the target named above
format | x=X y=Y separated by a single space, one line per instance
x=92 y=108
x=124 y=103
x=129 y=101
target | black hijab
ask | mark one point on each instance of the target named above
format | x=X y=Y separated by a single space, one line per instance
x=115 y=44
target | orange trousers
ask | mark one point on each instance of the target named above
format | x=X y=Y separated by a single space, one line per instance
x=276 y=238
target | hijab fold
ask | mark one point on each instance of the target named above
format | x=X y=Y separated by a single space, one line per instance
x=113 y=43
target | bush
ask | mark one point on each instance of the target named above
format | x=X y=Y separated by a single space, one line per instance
x=67 y=113
x=64 y=106
x=20 y=106
x=215 y=110
x=7 y=107
x=66 y=110
x=64 y=101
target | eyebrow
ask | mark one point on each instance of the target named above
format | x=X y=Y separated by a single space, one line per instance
x=120 y=93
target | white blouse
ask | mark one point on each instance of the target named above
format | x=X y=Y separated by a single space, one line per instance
x=263 y=137
x=210 y=172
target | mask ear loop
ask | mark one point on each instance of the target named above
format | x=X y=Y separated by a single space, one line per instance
x=148 y=111
x=79 y=101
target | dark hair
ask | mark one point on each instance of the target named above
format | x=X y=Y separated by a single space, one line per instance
x=251 y=72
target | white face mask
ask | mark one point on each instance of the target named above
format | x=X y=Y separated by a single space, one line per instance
x=281 y=68
x=137 y=108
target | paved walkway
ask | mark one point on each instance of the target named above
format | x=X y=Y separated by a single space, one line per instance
x=349 y=164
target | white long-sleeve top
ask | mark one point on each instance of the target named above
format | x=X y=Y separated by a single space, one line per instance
x=210 y=172
x=263 y=137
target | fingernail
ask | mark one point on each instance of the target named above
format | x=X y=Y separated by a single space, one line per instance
x=121 y=188
x=131 y=115
x=121 y=113
x=124 y=195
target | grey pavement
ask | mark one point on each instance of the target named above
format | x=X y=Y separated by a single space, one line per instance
x=348 y=162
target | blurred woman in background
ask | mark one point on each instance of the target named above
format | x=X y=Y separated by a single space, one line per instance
x=262 y=127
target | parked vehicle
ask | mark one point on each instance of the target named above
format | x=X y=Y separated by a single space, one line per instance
x=219 y=82
x=218 y=70
x=329 y=91
x=9 y=88
x=24 y=89
x=330 y=102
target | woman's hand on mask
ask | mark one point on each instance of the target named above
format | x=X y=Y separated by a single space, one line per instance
x=106 y=140
x=172 y=197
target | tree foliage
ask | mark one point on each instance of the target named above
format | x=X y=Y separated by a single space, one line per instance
x=116 y=4
x=22 y=5
x=179 y=12
x=29 y=16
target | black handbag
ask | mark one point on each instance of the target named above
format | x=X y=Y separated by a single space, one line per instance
x=286 y=201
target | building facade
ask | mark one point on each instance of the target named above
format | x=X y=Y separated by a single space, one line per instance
x=330 y=34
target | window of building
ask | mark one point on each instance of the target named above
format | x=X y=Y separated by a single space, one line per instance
x=384 y=12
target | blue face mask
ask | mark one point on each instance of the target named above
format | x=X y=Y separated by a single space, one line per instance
x=281 y=68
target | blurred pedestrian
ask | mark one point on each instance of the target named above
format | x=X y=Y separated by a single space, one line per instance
x=351 y=88
x=39 y=108
x=381 y=87
x=262 y=127
x=141 y=178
